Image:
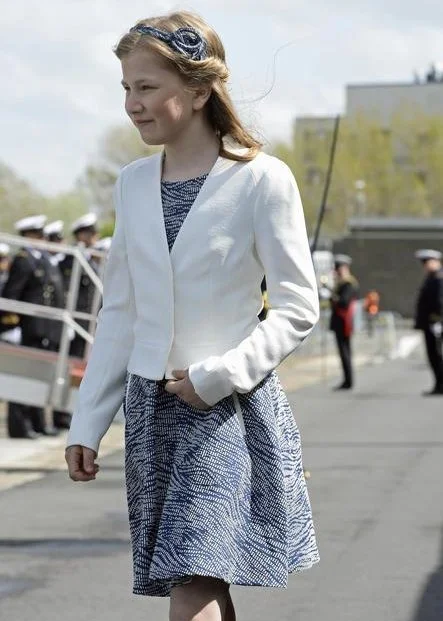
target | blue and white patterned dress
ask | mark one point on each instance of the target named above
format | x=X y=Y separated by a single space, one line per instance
x=204 y=498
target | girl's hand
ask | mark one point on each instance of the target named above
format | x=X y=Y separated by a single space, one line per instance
x=81 y=463
x=183 y=388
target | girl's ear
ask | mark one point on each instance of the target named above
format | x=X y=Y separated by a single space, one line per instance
x=201 y=96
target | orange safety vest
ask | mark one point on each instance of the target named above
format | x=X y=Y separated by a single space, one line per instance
x=371 y=303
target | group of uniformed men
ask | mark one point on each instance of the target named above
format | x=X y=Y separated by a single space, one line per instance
x=42 y=277
x=428 y=315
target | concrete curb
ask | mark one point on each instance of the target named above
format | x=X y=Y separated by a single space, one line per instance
x=25 y=460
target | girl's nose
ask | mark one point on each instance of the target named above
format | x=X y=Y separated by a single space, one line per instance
x=133 y=104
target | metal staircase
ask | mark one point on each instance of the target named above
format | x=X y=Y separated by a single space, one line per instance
x=43 y=378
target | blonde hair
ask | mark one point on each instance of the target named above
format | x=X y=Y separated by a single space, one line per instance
x=213 y=71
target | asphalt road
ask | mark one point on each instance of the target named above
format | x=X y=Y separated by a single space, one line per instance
x=375 y=456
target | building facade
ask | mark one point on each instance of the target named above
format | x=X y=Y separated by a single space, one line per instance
x=383 y=250
x=382 y=102
x=390 y=153
x=378 y=102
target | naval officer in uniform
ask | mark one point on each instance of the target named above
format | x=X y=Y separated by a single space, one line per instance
x=343 y=300
x=33 y=278
x=86 y=235
x=429 y=314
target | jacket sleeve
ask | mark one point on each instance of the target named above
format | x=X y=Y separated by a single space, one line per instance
x=19 y=274
x=18 y=277
x=282 y=247
x=102 y=388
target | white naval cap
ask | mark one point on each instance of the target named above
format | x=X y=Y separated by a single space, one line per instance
x=5 y=249
x=31 y=223
x=426 y=253
x=342 y=259
x=103 y=244
x=54 y=228
x=90 y=219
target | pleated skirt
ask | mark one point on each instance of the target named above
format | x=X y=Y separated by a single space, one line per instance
x=216 y=493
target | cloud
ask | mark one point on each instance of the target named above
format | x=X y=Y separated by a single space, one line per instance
x=396 y=13
x=61 y=89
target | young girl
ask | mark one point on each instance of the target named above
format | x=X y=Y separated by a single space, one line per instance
x=215 y=484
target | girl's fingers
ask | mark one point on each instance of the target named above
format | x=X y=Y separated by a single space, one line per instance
x=172 y=386
x=81 y=464
x=184 y=389
x=180 y=373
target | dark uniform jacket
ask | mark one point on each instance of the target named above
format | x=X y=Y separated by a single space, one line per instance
x=430 y=301
x=86 y=288
x=33 y=278
x=3 y=279
x=343 y=298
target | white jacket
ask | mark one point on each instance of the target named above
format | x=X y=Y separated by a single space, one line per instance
x=197 y=306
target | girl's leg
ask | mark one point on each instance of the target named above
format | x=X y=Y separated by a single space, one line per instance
x=230 y=611
x=203 y=599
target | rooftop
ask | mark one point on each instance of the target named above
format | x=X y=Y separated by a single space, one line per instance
x=397 y=84
x=402 y=224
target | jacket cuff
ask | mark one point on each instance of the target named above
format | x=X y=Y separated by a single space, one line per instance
x=76 y=437
x=209 y=381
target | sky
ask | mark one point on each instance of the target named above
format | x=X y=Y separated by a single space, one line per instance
x=61 y=86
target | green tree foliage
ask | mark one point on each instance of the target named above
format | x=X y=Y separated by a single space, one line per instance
x=67 y=206
x=401 y=168
x=17 y=199
x=93 y=191
x=119 y=146
x=107 y=228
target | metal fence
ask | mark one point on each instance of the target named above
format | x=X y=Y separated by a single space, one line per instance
x=21 y=378
x=376 y=340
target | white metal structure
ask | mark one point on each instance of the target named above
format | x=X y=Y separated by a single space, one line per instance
x=43 y=378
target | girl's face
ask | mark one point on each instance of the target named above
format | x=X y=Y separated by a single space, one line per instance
x=157 y=100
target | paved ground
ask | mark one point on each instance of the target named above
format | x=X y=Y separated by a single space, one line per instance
x=376 y=490
x=22 y=461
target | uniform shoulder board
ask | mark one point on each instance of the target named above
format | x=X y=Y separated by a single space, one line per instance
x=22 y=253
x=10 y=319
x=349 y=280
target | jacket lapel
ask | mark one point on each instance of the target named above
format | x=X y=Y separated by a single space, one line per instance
x=188 y=233
x=145 y=205
x=150 y=202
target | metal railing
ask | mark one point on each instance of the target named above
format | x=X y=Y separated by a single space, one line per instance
x=67 y=315
x=380 y=343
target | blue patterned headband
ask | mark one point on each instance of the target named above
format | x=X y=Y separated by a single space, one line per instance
x=186 y=41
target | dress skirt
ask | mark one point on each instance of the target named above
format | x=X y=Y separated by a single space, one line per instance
x=215 y=493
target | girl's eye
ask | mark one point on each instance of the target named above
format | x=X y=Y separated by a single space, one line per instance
x=146 y=87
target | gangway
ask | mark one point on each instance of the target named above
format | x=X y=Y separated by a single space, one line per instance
x=50 y=379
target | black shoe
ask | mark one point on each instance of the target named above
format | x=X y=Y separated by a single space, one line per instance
x=49 y=431
x=438 y=390
x=344 y=386
x=62 y=420
x=29 y=434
